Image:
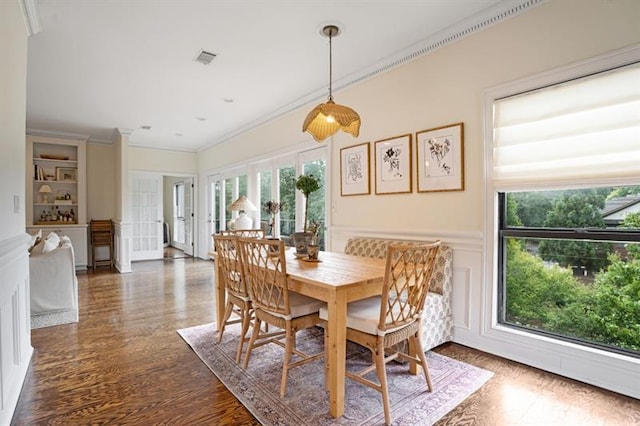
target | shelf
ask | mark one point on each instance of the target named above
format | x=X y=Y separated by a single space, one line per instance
x=55 y=181
x=54 y=223
x=57 y=205
x=51 y=160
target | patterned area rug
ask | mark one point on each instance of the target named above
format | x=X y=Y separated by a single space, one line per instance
x=306 y=401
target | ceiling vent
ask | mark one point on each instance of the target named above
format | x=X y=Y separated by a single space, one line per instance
x=205 y=57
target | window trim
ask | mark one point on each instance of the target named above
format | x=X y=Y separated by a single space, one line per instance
x=618 y=372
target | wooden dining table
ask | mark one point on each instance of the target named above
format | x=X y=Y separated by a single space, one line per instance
x=337 y=279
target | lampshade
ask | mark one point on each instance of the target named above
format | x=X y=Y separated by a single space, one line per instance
x=327 y=118
x=45 y=189
x=242 y=204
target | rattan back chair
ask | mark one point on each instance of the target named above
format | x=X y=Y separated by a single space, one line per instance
x=273 y=303
x=232 y=275
x=381 y=322
x=248 y=233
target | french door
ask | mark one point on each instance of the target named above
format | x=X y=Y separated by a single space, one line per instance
x=146 y=208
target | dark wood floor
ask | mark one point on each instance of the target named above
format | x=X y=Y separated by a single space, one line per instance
x=125 y=363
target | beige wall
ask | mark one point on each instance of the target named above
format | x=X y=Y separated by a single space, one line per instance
x=156 y=160
x=101 y=178
x=441 y=88
x=13 y=89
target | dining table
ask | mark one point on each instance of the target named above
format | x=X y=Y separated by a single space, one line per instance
x=337 y=279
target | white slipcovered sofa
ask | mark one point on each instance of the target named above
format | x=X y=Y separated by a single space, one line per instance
x=437 y=322
x=53 y=285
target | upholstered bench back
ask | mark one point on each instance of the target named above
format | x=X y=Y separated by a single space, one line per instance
x=377 y=247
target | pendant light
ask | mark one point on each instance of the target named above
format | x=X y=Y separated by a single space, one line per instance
x=327 y=118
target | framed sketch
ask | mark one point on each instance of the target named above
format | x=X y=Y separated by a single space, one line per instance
x=66 y=173
x=354 y=170
x=440 y=158
x=393 y=165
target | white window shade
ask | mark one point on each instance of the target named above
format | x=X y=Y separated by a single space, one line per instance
x=576 y=132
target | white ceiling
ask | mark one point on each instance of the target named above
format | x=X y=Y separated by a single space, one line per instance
x=98 y=65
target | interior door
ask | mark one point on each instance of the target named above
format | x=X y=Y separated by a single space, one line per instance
x=188 y=216
x=146 y=204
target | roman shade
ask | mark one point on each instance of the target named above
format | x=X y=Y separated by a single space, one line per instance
x=581 y=131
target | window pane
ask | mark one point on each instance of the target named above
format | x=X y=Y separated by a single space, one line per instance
x=287 y=188
x=597 y=306
x=571 y=264
x=317 y=199
x=265 y=194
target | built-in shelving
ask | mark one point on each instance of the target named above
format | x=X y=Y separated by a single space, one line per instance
x=56 y=170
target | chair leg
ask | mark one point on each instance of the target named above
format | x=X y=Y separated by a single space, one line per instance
x=246 y=319
x=288 y=351
x=227 y=314
x=415 y=340
x=381 y=371
x=254 y=337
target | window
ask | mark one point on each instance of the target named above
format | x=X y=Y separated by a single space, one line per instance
x=274 y=179
x=571 y=264
x=317 y=199
x=568 y=251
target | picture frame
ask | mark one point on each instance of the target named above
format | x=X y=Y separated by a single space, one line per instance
x=354 y=170
x=440 y=158
x=393 y=165
x=68 y=174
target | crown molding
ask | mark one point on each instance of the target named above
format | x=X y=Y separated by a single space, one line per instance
x=31 y=16
x=55 y=134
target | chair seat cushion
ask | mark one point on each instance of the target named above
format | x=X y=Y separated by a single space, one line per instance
x=300 y=305
x=363 y=315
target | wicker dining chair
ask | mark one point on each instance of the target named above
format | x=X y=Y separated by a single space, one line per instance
x=238 y=300
x=274 y=304
x=380 y=322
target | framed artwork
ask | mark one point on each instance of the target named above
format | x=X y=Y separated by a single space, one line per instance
x=393 y=165
x=440 y=158
x=66 y=173
x=354 y=170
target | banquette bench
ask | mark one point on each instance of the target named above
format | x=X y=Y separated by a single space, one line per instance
x=437 y=320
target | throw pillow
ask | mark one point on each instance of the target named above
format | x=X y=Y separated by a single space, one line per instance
x=51 y=242
x=37 y=249
x=35 y=239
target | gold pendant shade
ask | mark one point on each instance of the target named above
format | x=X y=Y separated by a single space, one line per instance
x=326 y=119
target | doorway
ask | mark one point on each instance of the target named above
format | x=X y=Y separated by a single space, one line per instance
x=178 y=217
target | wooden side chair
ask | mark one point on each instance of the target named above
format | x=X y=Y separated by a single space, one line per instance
x=238 y=300
x=273 y=303
x=378 y=323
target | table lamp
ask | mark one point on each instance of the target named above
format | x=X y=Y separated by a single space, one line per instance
x=45 y=190
x=242 y=205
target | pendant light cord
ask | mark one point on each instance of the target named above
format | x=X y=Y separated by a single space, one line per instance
x=330 y=66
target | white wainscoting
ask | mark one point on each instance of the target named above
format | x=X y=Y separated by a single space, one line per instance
x=15 y=325
x=122 y=233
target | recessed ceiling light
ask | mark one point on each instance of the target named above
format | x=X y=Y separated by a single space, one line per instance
x=204 y=57
x=201 y=119
x=228 y=100
x=179 y=134
x=146 y=127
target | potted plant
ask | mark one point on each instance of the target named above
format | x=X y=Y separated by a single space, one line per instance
x=307 y=184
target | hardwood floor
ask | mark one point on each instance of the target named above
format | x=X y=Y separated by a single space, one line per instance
x=125 y=363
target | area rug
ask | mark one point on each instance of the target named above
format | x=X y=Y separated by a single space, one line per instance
x=50 y=319
x=306 y=401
